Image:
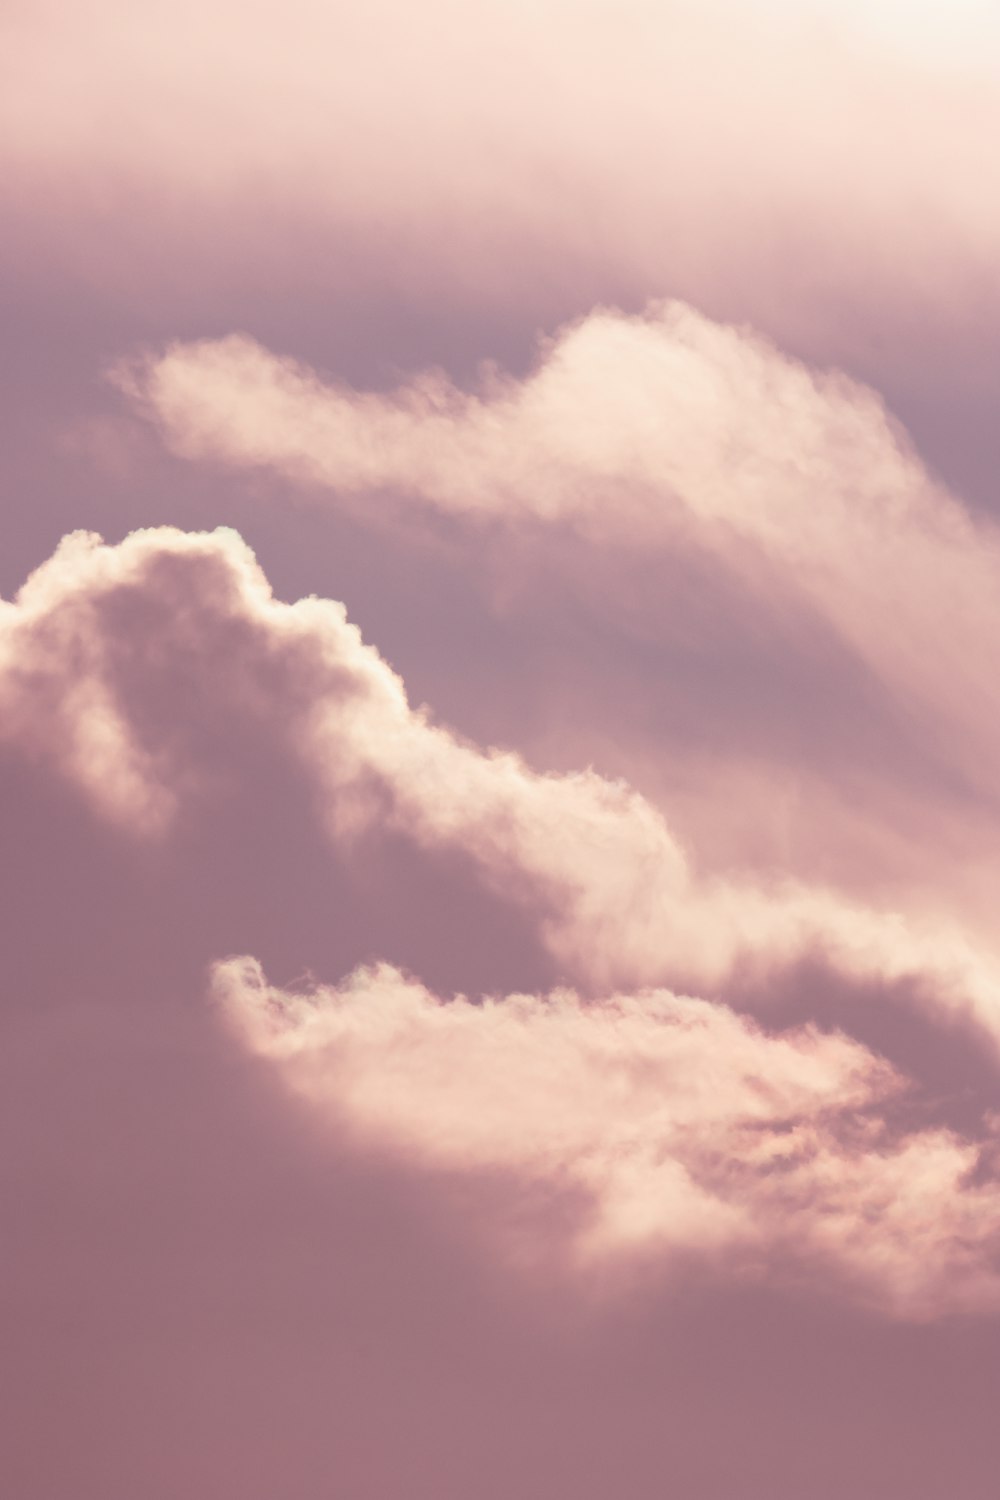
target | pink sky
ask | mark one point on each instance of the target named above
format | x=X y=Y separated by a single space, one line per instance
x=499 y=592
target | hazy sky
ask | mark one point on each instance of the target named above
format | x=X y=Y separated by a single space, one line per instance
x=500 y=750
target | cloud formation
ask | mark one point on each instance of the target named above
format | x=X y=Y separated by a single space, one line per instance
x=685 y=1129
x=122 y=661
x=616 y=1064
x=132 y=667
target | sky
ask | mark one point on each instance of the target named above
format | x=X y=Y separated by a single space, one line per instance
x=499 y=744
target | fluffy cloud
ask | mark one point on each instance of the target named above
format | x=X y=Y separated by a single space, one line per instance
x=683 y=1127
x=122 y=663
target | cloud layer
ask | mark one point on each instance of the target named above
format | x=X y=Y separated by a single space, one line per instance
x=531 y=1028
x=603 y=149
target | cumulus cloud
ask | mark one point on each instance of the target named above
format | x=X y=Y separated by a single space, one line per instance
x=683 y=1127
x=122 y=661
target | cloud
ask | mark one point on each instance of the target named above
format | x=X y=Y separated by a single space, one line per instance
x=641 y=133
x=623 y=421
x=280 y=1225
x=642 y=432
x=196 y=1250
x=123 y=665
x=57 y=704
x=684 y=1127
x=789 y=494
